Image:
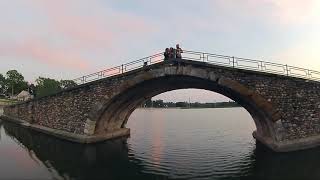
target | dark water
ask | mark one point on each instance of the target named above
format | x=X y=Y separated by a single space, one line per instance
x=164 y=144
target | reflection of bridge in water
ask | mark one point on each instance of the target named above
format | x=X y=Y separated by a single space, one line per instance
x=66 y=159
x=282 y=100
x=111 y=159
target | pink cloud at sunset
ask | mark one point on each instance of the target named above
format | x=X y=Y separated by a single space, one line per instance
x=72 y=32
x=88 y=25
x=43 y=54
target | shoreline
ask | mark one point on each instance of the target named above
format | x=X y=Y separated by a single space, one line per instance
x=189 y=108
x=1 y=110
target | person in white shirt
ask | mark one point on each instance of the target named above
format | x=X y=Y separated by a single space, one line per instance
x=178 y=52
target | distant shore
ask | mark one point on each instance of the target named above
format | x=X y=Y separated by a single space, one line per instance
x=188 y=105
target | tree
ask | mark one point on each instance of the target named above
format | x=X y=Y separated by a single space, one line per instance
x=15 y=82
x=181 y=104
x=2 y=84
x=64 y=84
x=158 y=103
x=46 y=86
x=148 y=103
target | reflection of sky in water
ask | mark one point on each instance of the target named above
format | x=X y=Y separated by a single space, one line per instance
x=19 y=162
x=157 y=136
x=190 y=142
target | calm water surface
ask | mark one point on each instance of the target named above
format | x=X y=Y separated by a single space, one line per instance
x=164 y=144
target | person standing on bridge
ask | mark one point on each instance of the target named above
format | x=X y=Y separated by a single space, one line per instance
x=166 y=54
x=31 y=90
x=178 y=52
x=172 y=53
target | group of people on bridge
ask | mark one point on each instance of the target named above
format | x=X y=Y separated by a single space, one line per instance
x=170 y=53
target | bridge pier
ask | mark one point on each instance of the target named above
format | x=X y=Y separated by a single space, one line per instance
x=287 y=146
x=65 y=135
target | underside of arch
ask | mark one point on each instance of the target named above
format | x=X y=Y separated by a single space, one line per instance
x=116 y=111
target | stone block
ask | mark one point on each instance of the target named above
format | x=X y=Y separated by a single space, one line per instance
x=212 y=76
x=234 y=85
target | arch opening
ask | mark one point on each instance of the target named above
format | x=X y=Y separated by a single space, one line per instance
x=118 y=110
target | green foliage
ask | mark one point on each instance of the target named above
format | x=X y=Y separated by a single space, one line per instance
x=148 y=103
x=46 y=86
x=181 y=104
x=158 y=103
x=64 y=84
x=14 y=82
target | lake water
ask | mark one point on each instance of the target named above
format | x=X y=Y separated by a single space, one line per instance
x=164 y=144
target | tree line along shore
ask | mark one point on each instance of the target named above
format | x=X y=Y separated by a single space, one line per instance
x=184 y=105
x=13 y=82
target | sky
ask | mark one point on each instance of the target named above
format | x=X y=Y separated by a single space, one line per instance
x=66 y=39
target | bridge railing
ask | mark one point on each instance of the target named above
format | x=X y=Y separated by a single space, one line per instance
x=123 y=68
x=215 y=59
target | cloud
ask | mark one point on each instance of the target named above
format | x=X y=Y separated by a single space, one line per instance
x=93 y=34
x=303 y=54
x=90 y=24
x=71 y=34
x=41 y=52
x=281 y=12
x=291 y=11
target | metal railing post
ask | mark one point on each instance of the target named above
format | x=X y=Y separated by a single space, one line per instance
x=287 y=69
x=233 y=61
x=309 y=75
x=121 y=68
x=83 y=79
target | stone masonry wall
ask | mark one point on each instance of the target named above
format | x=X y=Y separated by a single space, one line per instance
x=67 y=110
x=296 y=99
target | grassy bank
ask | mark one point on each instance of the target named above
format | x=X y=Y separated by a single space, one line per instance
x=5 y=102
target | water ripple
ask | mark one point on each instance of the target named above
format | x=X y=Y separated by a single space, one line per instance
x=193 y=151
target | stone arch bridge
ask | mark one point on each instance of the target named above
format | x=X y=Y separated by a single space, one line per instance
x=282 y=100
